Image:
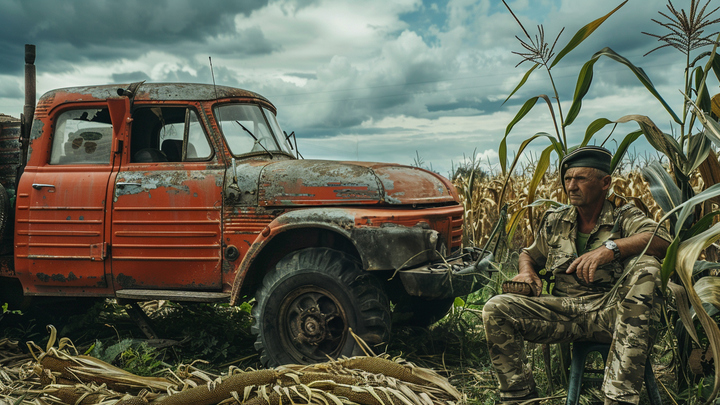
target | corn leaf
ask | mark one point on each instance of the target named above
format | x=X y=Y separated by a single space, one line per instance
x=716 y=66
x=593 y=128
x=663 y=189
x=702 y=266
x=585 y=79
x=668 y=266
x=524 y=110
x=583 y=33
x=688 y=207
x=708 y=290
x=715 y=108
x=623 y=147
x=659 y=140
x=502 y=150
x=522 y=82
x=540 y=169
x=520 y=150
x=701 y=225
x=688 y=253
x=684 y=311
x=703 y=100
x=712 y=128
x=514 y=222
x=698 y=150
x=526 y=142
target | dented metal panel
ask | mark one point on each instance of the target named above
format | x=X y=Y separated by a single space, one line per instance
x=166 y=227
x=412 y=185
x=397 y=246
x=318 y=182
x=241 y=188
x=60 y=225
x=386 y=239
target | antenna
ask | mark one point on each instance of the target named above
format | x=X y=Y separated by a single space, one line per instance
x=212 y=73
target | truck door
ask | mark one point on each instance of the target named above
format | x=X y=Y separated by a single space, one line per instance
x=167 y=204
x=61 y=204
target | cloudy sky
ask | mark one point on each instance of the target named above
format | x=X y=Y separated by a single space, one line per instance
x=371 y=80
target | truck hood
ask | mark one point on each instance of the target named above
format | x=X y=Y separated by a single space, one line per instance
x=324 y=182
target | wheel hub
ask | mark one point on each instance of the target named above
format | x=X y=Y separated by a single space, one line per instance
x=312 y=326
x=313 y=323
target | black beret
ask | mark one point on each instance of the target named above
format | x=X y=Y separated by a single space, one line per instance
x=586 y=156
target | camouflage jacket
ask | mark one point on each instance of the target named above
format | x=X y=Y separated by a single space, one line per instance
x=554 y=246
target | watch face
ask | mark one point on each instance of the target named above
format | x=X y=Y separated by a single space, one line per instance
x=612 y=246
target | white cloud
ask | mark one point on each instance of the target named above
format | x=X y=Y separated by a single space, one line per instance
x=380 y=80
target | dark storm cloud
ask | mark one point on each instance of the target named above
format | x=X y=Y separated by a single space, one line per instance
x=106 y=30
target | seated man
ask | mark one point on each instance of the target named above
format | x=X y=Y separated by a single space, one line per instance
x=587 y=245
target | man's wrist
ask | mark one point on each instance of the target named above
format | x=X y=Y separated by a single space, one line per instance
x=612 y=246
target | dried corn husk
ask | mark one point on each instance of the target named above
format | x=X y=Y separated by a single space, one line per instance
x=57 y=376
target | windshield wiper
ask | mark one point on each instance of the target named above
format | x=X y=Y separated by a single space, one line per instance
x=257 y=141
x=287 y=138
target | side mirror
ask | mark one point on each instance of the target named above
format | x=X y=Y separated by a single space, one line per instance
x=234 y=183
x=234 y=169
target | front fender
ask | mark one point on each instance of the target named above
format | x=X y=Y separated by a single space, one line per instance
x=338 y=220
x=385 y=247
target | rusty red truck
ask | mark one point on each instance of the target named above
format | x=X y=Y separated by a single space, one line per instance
x=192 y=192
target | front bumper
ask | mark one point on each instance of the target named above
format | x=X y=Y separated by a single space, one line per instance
x=458 y=277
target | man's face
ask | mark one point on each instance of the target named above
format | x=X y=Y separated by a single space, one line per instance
x=584 y=187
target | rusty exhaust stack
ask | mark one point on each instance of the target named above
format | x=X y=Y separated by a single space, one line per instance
x=29 y=108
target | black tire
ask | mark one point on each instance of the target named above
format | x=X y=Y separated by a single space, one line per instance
x=308 y=303
x=416 y=311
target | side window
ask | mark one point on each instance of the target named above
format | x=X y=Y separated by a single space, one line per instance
x=82 y=136
x=168 y=134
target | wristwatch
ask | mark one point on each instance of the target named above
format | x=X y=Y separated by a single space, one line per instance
x=614 y=247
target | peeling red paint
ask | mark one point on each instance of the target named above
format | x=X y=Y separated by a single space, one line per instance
x=203 y=219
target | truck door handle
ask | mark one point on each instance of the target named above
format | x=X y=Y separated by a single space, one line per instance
x=37 y=186
x=129 y=184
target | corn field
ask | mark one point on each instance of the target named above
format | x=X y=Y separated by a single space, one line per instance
x=454 y=347
x=482 y=202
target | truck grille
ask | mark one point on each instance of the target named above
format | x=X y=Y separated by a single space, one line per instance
x=456 y=231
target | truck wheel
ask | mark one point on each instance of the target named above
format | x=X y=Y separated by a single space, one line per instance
x=309 y=302
x=416 y=311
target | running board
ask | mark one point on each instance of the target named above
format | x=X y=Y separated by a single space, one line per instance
x=172 y=295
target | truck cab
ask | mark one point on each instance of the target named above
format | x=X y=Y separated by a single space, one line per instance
x=193 y=192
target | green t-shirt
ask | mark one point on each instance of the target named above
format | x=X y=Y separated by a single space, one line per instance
x=581 y=242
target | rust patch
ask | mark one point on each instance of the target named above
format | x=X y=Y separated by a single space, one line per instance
x=61 y=278
x=125 y=281
x=394 y=246
x=173 y=181
x=333 y=216
x=318 y=182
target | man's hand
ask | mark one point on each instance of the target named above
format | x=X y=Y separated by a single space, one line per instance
x=532 y=279
x=586 y=264
x=527 y=273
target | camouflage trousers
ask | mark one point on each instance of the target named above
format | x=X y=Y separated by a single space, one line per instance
x=627 y=321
